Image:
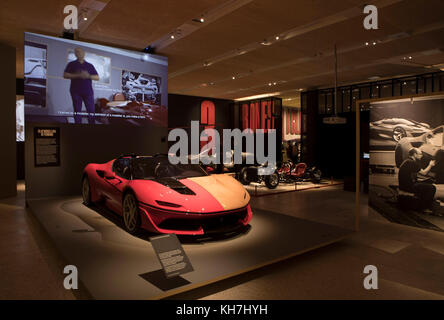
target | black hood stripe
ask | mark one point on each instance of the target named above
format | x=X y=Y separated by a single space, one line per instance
x=175 y=185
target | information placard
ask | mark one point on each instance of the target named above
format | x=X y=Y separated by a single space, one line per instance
x=46 y=147
x=171 y=255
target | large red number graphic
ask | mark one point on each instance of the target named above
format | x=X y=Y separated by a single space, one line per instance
x=208 y=119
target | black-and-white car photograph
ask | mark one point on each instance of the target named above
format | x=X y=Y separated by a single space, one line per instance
x=35 y=70
x=141 y=87
x=407 y=161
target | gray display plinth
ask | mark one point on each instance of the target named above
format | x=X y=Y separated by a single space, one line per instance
x=112 y=264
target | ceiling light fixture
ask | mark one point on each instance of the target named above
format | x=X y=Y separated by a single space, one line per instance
x=277 y=38
x=366 y=43
x=233 y=77
x=259 y=96
x=172 y=36
x=200 y=20
x=265 y=43
x=84 y=15
x=374 y=43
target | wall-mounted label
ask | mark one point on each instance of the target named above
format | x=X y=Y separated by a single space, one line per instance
x=46 y=147
x=171 y=255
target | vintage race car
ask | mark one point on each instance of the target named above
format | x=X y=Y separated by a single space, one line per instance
x=429 y=143
x=397 y=128
x=152 y=194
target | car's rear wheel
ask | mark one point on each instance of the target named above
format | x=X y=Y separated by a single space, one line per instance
x=272 y=180
x=131 y=214
x=86 y=191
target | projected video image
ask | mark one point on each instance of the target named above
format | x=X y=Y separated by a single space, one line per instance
x=75 y=82
x=20 y=118
x=35 y=74
x=141 y=87
x=102 y=65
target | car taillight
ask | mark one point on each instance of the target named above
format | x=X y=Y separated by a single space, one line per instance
x=168 y=204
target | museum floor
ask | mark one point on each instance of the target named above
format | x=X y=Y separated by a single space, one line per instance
x=410 y=260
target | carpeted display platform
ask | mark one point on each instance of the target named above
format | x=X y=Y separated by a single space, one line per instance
x=112 y=264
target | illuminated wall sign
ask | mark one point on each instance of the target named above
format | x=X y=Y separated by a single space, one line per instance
x=258 y=115
x=291 y=124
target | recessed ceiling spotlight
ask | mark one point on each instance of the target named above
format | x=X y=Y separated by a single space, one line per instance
x=277 y=38
x=233 y=77
x=274 y=83
x=410 y=58
x=172 y=36
x=269 y=83
x=366 y=43
x=374 y=43
x=200 y=20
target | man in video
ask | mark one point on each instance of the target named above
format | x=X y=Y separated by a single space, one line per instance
x=408 y=180
x=81 y=74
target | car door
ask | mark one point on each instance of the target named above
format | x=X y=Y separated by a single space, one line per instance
x=115 y=182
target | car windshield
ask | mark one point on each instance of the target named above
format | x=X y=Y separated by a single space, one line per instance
x=160 y=167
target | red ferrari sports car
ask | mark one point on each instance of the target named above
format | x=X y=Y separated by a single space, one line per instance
x=152 y=194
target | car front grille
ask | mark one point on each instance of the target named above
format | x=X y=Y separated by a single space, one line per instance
x=209 y=223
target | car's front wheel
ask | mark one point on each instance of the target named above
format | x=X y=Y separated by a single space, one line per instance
x=272 y=180
x=131 y=215
x=243 y=176
x=399 y=133
x=86 y=191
